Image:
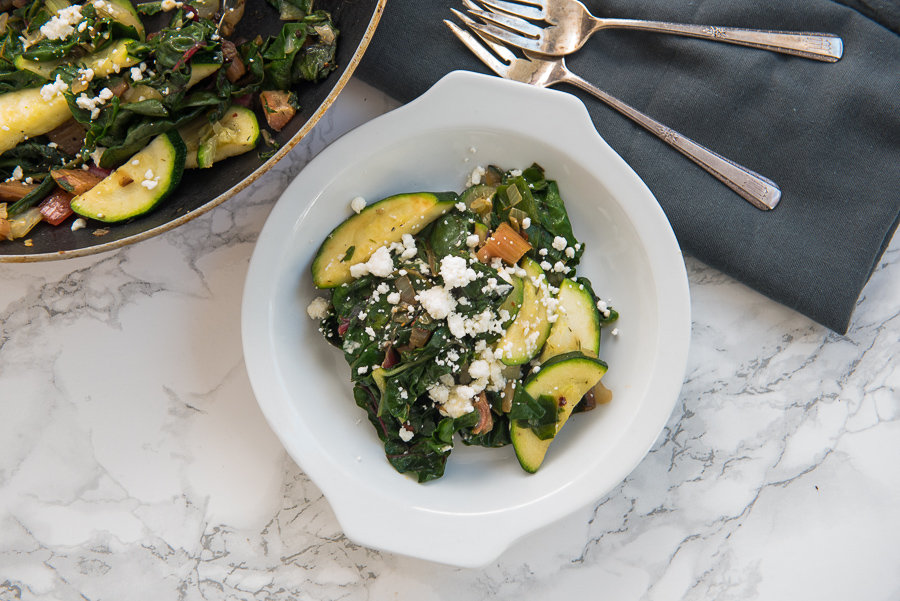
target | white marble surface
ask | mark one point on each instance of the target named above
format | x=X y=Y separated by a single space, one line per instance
x=135 y=464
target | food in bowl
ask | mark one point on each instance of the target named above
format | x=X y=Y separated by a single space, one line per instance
x=104 y=104
x=461 y=317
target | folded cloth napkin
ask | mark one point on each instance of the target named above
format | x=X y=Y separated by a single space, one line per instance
x=827 y=133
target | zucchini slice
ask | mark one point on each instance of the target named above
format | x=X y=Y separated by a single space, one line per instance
x=137 y=186
x=25 y=114
x=103 y=62
x=577 y=326
x=524 y=338
x=236 y=133
x=200 y=71
x=513 y=302
x=379 y=224
x=122 y=11
x=565 y=379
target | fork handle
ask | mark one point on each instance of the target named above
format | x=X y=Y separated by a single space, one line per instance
x=760 y=191
x=817 y=46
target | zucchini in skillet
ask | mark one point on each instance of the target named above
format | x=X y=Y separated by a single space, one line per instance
x=138 y=185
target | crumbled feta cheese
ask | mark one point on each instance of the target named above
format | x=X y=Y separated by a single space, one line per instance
x=526 y=223
x=456 y=272
x=78 y=224
x=62 y=24
x=559 y=243
x=105 y=94
x=380 y=264
x=405 y=435
x=615 y=331
x=97 y=154
x=362 y=370
x=358 y=204
x=472 y=240
x=439 y=393
x=409 y=247
x=475 y=176
x=460 y=206
x=393 y=298
x=136 y=74
x=318 y=308
x=459 y=401
x=51 y=90
x=86 y=74
x=437 y=301
x=486 y=321
x=570 y=252
x=85 y=102
x=494 y=286
x=149 y=183
x=17 y=173
x=546 y=266
x=168 y=5
x=479 y=369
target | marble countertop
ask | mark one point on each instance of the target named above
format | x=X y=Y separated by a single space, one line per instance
x=135 y=463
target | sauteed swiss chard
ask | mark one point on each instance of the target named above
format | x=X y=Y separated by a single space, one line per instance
x=462 y=318
x=104 y=104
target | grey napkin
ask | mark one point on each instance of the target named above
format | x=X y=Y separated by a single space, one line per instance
x=827 y=133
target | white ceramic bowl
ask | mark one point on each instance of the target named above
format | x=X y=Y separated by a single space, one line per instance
x=485 y=501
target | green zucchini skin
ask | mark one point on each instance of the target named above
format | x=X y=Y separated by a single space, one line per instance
x=238 y=132
x=379 y=224
x=124 y=12
x=127 y=191
x=577 y=326
x=566 y=378
x=526 y=335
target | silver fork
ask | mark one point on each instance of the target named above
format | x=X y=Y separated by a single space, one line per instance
x=542 y=71
x=571 y=24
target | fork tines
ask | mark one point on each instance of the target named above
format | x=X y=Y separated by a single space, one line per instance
x=478 y=49
x=534 y=9
x=513 y=24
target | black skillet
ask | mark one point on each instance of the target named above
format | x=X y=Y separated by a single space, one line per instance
x=202 y=189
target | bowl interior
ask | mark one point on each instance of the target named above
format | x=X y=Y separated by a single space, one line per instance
x=317 y=378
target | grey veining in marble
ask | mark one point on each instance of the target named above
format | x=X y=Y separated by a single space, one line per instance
x=135 y=464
